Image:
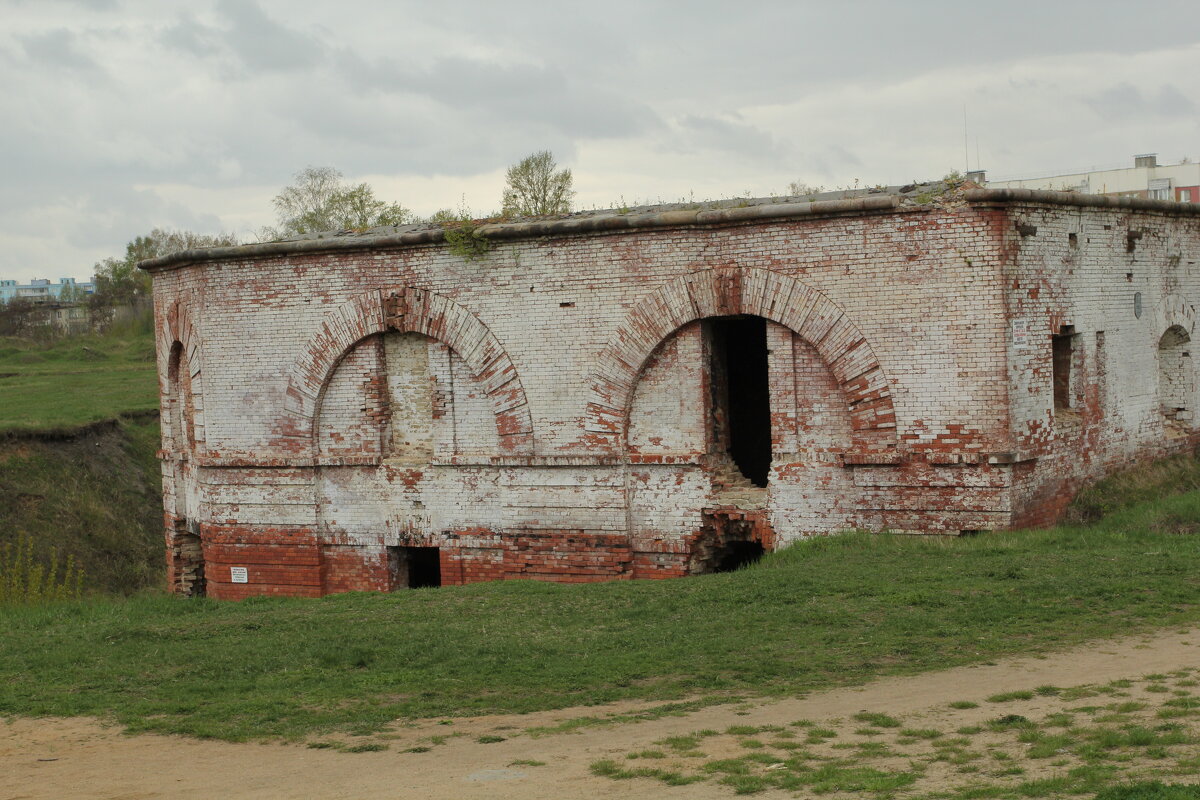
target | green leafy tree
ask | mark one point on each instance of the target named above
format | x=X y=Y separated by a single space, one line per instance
x=319 y=200
x=16 y=317
x=445 y=215
x=534 y=188
x=119 y=281
x=72 y=294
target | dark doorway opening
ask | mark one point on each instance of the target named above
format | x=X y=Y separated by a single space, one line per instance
x=741 y=393
x=736 y=555
x=1060 y=350
x=415 y=567
x=729 y=539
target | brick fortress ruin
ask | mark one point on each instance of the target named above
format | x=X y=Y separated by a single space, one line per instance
x=661 y=392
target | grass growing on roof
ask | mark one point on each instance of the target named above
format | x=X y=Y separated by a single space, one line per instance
x=831 y=611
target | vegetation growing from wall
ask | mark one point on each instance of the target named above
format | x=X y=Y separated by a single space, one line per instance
x=463 y=238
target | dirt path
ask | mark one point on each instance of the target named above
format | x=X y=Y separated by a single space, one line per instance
x=56 y=758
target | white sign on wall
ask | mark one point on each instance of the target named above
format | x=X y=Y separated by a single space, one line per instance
x=1020 y=333
x=238 y=575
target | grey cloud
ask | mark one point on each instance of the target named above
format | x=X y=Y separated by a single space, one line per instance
x=119 y=213
x=733 y=136
x=85 y=225
x=263 y=44
x=1125 y=101
x=58 y=49
x=362 y=133
x=94 y=5
x=533 y=95
x=830 y=161
x=189 y=35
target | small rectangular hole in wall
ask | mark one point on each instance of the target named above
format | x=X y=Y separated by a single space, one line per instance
x=1131 y=240
x=1129 y=277
x=566 y=305
x=1073 y=240
x=414 y=567
x=1060 y=348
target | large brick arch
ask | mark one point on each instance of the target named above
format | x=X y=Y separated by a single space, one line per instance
x=409 y=310
x=726 y=292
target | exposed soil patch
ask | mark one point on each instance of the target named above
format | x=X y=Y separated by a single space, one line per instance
x=551 y=754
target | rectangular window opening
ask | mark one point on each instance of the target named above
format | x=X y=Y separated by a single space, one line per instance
x=741 y=398
x=1060 y=347
x=414 y=567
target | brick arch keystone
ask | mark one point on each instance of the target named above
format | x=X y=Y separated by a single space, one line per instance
x=408 y=310
x=727 y=292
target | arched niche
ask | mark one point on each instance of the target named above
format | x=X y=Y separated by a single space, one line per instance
x=406 y=310
x=1176 y=377
x=731 y=293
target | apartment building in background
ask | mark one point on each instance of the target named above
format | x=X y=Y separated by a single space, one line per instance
x=1146 y=179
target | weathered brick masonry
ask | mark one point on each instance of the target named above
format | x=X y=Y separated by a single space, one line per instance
x=652 y=394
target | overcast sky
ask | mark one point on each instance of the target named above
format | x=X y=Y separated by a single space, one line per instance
x=118 y=116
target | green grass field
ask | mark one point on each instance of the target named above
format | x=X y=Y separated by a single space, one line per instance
x=833 y=611
x=62 y=385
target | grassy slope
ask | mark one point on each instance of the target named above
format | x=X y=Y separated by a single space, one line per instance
x=87 y=489
x=72 y=382
x=831 y=611
x=97 y=496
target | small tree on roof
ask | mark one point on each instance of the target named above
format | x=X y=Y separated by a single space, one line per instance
x=534 y=189
x=320 y=201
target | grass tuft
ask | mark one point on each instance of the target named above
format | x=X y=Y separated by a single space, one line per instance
x=877 y=720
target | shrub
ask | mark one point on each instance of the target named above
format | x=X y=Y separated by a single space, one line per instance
x=27 y=581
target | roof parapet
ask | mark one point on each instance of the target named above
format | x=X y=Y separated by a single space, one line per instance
x=520 y=230
x=611 y=221
x=1077 y=199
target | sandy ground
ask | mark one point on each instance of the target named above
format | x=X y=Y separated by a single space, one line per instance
x=69 y=758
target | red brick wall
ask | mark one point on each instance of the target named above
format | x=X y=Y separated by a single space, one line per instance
x=569 y=436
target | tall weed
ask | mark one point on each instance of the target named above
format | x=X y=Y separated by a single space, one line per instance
x=25 y=580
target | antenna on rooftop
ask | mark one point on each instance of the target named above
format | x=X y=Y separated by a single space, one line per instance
x=966 y=146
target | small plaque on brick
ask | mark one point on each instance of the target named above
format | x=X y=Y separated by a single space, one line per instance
x=1020 y=333
x=238 y=575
